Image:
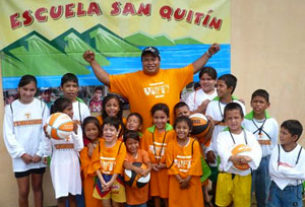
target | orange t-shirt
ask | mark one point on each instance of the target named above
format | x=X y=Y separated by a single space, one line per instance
x=143 y=91
x=137 y=196
x=109 y=160
x=184 y=160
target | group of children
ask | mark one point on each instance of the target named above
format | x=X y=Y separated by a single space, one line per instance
x=245 y=150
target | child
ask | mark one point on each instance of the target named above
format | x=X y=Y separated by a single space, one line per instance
x=265 y=130
x=69 y=86
x=107 y=164
x=95 y=104
x=181 y=109
x=24 y=139
x=136 y=196
x=225 y=86
x=64 y=166
x=287 y=167
x=199 y=99
x=183 y=158
x=134 y=122
x=112 y=107
x=154 y=141
x=234 y=178
x=92 y=131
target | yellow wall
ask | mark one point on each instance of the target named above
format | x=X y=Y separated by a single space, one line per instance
x=267 y=46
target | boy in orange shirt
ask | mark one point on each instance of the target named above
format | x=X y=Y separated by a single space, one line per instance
x=136 y=196
x=107 y=164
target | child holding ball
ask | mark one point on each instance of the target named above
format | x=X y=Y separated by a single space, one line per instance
x=65 y=167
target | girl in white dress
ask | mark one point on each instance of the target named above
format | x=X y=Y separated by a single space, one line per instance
x=24 y=139
x=65 y=167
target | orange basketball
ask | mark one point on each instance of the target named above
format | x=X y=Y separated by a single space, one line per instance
x=241 y=149
x=59 y=126
x=201 y=127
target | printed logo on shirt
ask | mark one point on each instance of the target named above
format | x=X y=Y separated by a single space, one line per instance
x=183 y=163
x=107 y=164
x=27 y=115
x=28 y=122
x=285 y=164
x=158 y=90
x=158 y=149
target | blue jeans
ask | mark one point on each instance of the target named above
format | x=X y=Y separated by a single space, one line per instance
x=140 y=205
x=291 y=196
x=261 y=182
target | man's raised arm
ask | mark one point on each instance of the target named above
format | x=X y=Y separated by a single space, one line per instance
x=99 y=72
x=200 y=62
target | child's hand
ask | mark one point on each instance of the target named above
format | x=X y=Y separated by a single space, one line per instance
x=162 y=166
x=90 y=149
x=45 y=131
x=185 y=183
x=45 y=160
x=203 y=106
x=75 y=126
x=214 y=48
x=36 y=159
x=155 y=167
x=211 y=157
x=245 y=159
x=27 y=158
x=89 y=56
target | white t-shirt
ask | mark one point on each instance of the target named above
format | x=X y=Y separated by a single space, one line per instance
x=284 y=170
x=80 y=111
x=225 y=144
x=195 y=99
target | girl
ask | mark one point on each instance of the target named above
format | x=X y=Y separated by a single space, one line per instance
x=92 y=132
x=134 y=122
x=24 y=139
x=65 y=169
x=136 y=196
x=155 y=141
x=183 y=160
x=107 y=164
x=112 y=107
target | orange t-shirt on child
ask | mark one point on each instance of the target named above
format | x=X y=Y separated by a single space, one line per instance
x=135 y=195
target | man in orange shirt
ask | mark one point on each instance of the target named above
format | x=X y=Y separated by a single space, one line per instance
x=152 y=85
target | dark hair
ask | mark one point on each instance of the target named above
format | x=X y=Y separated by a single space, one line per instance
x=159 y=107
x=136 y=115
x=26 y=79
x=208 y=70
x=230 y=80
x=68 y=77
x=131 y=134
x=180 y=105
x=232 y=106
x=98 y=88
x=184 y=119
x=60 y=105
x=112 y=121
x=93 y=120
x=293 y=126
x=106 y=99
x=196 y=86
x=261 y=93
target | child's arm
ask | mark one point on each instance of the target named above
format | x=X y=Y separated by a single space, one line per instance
x=100 y=177
x=256 y=151
x=43 y=139
x=129 y=166
x=185 y=182
x=78 y=139
x=111 y=181
x=99 y=72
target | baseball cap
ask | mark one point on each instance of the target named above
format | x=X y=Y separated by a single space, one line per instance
x=151 y=50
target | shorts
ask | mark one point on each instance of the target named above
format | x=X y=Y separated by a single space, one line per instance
x=115 y=193
x=28 y=172
x=233 y=188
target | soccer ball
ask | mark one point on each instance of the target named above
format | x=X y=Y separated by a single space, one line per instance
x=132 y=179
x=201 y=127
x=241 y=149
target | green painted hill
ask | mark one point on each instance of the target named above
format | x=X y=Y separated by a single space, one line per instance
x=187 y=41
x=110 y=44
x=36 y=53
x=141 y=39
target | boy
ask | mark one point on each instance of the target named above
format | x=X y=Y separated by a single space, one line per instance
x=199 y=99
x=181 y=109
x=265 y=130
x=225 y=86
x=287 y=167
x=69 y=86
x=234 y=178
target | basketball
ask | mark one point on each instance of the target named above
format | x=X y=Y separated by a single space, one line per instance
x=241 y=149
x=59 y=126
x=201 y=127
x=133 y=179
